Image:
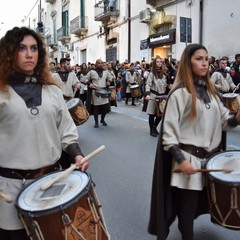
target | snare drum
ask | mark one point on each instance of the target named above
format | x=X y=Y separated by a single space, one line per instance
x=69 y=209
x=78 y=111
x=135 y=90
x=160 y=102
x=103 y=92
x=232 y=101
x=224 y=189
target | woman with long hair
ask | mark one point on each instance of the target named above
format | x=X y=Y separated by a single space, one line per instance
x=190 y=133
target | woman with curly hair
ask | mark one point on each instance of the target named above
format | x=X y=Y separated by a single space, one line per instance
x=35 y=125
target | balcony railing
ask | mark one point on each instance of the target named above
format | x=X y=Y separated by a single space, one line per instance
x=106 y=10
x=63 y=35
x=79 y=25
x=51 y=41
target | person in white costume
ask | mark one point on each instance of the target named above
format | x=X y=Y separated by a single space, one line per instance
x=35 y=124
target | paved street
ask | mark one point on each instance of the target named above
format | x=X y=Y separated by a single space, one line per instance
x=123 y=173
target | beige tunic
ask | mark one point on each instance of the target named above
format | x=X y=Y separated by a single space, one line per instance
x=31 y=141
x=205 y=131
x=130 y=79
x=158 y=85
x=220 y=81
x=68 y=86
x=93 y=77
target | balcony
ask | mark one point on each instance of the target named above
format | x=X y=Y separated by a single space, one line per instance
x=63 y=35
x=51 y=41
x=107 y=11
x=79 y=26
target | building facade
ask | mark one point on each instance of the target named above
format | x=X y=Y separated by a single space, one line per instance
x=133 y=30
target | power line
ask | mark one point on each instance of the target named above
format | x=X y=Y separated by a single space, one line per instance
x=30 y=11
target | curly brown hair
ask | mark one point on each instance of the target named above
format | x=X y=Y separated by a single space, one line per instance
x=9 y=45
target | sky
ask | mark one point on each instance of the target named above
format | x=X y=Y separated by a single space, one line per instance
x=12 y=13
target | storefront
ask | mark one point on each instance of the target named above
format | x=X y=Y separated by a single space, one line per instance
x=161 y=43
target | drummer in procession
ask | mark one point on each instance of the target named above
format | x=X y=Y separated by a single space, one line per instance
x=131 y=78
x=35 y=123
x=98 y=79
x=155 y=93
x=67 y=79
x=222 y=78
x=191 y=132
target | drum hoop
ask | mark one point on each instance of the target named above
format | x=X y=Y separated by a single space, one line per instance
x=230 y=95
x=56 y=208
x=213 y=175
x=77 y=102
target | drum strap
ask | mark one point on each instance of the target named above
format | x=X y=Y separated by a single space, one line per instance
x=28 y=174
x=198 y=151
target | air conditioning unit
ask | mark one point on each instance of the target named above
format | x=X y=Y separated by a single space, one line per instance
x=145 y=15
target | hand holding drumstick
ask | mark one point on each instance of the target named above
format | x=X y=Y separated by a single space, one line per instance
x=71 y=168
x=6 y=197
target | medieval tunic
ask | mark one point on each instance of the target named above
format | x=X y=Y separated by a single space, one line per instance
x=131 y=79
x=223 y=81
x=67 y=82
x=159 y=86
x=99 y=82
x=205 y=131
x=38 y=141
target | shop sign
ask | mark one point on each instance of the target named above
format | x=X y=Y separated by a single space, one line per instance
x=161 y=39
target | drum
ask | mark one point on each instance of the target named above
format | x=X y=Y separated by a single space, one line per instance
x=224 y=189
x=78 y=111
x=113 y=95
x=232 y=101
x=69 y=209
x=103 y=92
x=160 y=102
x=135 y=90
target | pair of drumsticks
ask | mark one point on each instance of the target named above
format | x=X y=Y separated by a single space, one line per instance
x=48 y=184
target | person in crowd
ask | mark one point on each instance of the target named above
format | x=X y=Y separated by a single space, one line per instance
x=212 y=65
x=235 y=70
x=67 y=79
x=52 y=67
x=156 y=87
x=185 y=142
x=222 y=78
x=119 y=86
x=98 y=79
x=35 y=123
x=83 y=88
x=131 y=79
x=113 y=97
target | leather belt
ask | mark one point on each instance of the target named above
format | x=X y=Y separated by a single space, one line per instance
x=157 y=93
x=198 y=151
x=28 y=174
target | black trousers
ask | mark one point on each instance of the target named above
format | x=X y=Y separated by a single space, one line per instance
x=13 y=234
x=102 y=110
x=186 y=203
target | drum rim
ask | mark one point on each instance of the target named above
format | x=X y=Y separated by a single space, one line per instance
x=77 y=100
x=227 y=95
x=38 y=213
x=213 y=175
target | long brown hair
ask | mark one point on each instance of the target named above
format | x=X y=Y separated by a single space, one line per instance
x=9 y=45
x=185 y=75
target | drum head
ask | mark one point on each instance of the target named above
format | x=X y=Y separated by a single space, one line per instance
x=134 y=86
x=229 y=95
x=73 y=103
x=226 y=160
x=33 y=199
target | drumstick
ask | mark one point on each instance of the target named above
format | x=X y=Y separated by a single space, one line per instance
x=70 y=169
x=206 y=170
x=6 y=197
x=236 y=88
